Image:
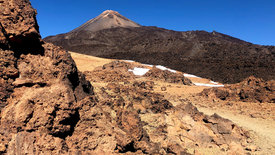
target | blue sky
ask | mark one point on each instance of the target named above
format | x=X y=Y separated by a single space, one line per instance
x=249 y=20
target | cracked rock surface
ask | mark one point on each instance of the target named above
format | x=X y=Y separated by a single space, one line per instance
x=250 y=90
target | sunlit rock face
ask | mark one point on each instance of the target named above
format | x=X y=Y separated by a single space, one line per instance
x=40 y=86
x=18 y=25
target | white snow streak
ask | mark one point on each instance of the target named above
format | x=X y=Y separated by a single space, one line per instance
x=208 y=85
x=190 y=75
x=139 y=71
x=214 y=82
x=148 y=65
x=129 y=60
x=164 y=68
x=161 y=67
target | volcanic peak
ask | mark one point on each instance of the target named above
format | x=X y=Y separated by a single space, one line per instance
x=109 y=12
x=107 y=19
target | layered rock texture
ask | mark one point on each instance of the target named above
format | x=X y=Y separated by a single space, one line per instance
x=48 y=107
x=250 y=90
x=212 y=55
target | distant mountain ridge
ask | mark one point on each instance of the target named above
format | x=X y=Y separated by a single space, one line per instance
x=212 y=55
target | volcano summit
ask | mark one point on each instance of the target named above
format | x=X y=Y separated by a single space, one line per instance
x=107 y=19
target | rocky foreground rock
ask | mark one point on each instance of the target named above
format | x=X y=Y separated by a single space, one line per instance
x=40 y=84
x=250 y=90
x=48 y=107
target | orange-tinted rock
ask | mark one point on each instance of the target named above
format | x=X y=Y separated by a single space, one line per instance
x=40 y=86
x=35 y=142
x=167 y=76
x=18 y=24
x=116 y=71
x=8 y=72
x=250 y=90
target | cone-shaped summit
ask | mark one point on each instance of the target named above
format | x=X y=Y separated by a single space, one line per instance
x=107 y=19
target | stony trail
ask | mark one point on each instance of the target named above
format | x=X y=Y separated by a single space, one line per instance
x=262 y=130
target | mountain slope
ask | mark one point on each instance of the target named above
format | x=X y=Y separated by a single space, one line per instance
x=108 y=19
x=211 y=55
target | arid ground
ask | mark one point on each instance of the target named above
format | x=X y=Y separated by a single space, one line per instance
x=257 y=118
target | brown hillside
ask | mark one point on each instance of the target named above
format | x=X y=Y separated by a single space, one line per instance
x=210 y=55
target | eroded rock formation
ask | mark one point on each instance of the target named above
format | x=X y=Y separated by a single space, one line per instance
x=151 y=124
x=40 y=84
x=250 y=90
x=18 y=25
x=167 y=76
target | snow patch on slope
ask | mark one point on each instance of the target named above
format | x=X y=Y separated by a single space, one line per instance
x=190 y=75
x=129 y=60
x=139 y=71
x=165 y=68
x=214 y=82
x=148 y=65
x=208 y=85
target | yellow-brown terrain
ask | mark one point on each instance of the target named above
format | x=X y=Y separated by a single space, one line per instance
x=257 y=118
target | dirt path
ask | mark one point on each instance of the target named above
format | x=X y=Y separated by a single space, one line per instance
x=262 y=130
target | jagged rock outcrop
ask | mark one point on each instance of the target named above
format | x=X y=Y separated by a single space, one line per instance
x=18 y=29
x=40 y=85
x=153 y=125
x=43 y=99
x=167 y=76
x=18 y=25
x=250 y=90
x=8 y=72
x=116 y=71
